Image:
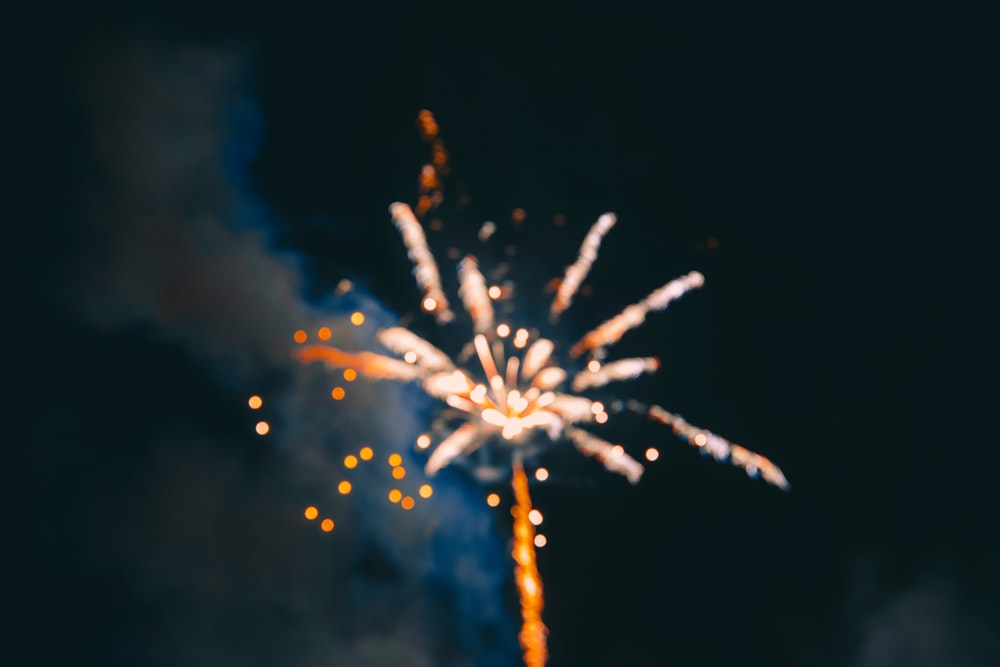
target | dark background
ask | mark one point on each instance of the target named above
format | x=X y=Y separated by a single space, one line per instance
x=197 y=179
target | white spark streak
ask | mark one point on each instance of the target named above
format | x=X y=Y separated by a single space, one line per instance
x=623 y=369
x=401 y=340
x=472 y=290
x=577 y=271
x=613 y=457
x=424 y=267
x=461 y=441
x=536 y=357
x=612 y=330
x=720 y=448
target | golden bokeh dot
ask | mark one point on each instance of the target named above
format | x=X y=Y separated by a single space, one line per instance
x=601 y=417
x=350 y=461
x=540 y=540
x=652 y=454
x=395 y=495
x=426 y=491
x=350 y=374
x=617 y=450
x=263 y=428
x=493 y=500
x=503 y=330
x=410 y=357
x=535 y=517
x=344 y=487
x=542 y=474
x=324 y=333
x=429 y=304
x=593 y=365
x=338 y=393
x=495 y=292
x=357 y=318
x=399 y=472
x=366 y=453
x=423 y=441
x=326 y=525
x=300 y=336
x=311 y=513
x=407 y=503
x=395 y=460
x=255 y=402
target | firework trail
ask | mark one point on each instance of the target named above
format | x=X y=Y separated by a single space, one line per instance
x=514 y=398
x=529 y=582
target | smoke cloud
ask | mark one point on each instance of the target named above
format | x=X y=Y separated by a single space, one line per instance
x=192 y=546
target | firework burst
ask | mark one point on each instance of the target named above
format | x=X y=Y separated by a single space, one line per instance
x=512 y=397
x=516 y=392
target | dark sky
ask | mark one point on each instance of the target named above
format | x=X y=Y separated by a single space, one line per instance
x=196 y=181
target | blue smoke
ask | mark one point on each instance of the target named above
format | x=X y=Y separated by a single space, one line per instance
x=188 y=253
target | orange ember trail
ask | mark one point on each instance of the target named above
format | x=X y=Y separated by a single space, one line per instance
x=529 y=582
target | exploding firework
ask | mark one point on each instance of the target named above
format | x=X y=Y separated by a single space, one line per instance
x=518 y=393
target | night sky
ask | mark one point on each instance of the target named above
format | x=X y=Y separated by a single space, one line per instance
x=197 y=180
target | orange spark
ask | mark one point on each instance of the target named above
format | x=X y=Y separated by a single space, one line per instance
x=529 y=582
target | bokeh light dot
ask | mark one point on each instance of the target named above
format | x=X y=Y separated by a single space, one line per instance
x=407 y=503
x=263 y=428
x=350 y=461
x=366 y=453
x=326 y=525
x=357 y=318
x=395 y=460
x=344 y=487
x=426 y=491
x=493 y=500
x=255 y=402
x=311 y=513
